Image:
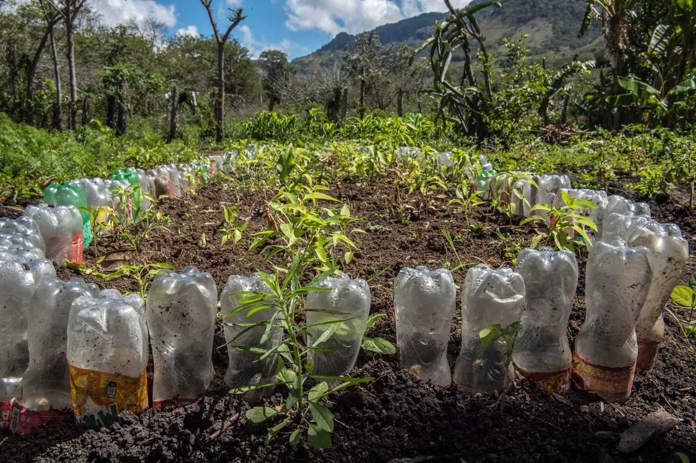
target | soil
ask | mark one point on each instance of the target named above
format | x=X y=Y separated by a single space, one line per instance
x=395 y=417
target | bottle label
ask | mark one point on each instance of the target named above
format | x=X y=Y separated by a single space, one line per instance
x=98 y=397
x=76 y=254
x=611 y=384
x=556 y=382
x=24 y=421
x=170 y=189
x=5 y=414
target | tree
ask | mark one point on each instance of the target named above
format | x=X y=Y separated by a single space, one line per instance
x=277 y=74
x=70 y=10
x=221 y=39
x=363 y=65
x=51 y=17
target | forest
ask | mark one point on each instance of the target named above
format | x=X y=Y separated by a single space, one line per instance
x=463 y=237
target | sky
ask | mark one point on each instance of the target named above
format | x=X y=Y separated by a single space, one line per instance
x=298 y=27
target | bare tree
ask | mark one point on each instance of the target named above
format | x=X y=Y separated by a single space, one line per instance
x=51 y=17
x=69 y=10
x=235 y=18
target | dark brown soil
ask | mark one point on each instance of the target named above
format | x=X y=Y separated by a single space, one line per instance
x=395 y=416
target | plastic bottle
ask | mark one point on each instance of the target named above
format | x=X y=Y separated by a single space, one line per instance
x=61 y=228
x=444 y=159
x=147 y=187
x=668 y=255
x=617 y=204
x=107 y=355
x=175 y=179
x=181 y=312
x=425 y=301
x=245 y=368
x=483 y=183
x=71 y=194
x=617 y=283
x=99 y=198
x=25 y=228
x=160 y=179
x=345 y=301
x=598 y=197
x=542 y=352
x=489 y=297
x=17 y=286
x=543 y=189
x=131 y=176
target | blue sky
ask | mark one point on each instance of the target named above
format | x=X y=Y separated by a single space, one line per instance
x=297 y=27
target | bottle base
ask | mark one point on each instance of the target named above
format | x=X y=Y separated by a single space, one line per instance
x=611 y=384
x=556 y=382
x=647 y=354
x=24 y=422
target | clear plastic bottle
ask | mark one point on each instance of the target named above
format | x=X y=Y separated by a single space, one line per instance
x=72 y=194
x=17 y=286
x=245 y=368
x=45 y=384
x=61 y=228
x=25 y=228
x=617 y=283
x=668 y=254
x=543 y=190
x=107 y=356
x=99 y=198
x=346 y=301
x=489 y=297
x=542 y=352
x=181 y=312
x=598 y=197
x=425 y=301
x=617 y=204
x=131 y=176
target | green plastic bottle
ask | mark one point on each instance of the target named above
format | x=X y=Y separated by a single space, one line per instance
x=49 y=194
x=131 y=176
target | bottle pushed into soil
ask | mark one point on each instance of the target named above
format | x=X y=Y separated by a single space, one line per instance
x=542 y=352
x=342 y=306
x=617 y=283
x=490 y=297
x=61 y=228
x=181 y=311
x=107 y=356
x=425 y=301
x=617 y=204
x=668 y=254
x=542 y=190
x=24 y=229
x=17 y=286
x=597 y=197
x=71 y=194
x=245 y=324
x=45 y=387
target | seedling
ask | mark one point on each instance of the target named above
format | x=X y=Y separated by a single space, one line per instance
x=233 y=228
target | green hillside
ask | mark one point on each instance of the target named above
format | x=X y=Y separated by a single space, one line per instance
x=551 y=26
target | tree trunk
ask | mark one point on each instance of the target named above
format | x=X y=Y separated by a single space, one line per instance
x=220 y=116
x=57 y=122
x=172 y=115
x=110 y=110
x=70 y=37
x=31 y=74
x=361 y=108
x=122 y=109
x=85 y=111
x=400 y=102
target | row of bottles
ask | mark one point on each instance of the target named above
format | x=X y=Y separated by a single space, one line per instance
x=628 y=283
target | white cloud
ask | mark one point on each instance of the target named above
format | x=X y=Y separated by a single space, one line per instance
x=234 y=3
x=140 y=12
x=255 y=46
x=188 y=31
x=334 y=16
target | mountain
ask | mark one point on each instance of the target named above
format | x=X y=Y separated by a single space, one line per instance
x=551 y=27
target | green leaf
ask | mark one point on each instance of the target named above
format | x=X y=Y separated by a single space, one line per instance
x=295 y=437
x=260 y=414
x=322 y=416
x=318 y=392
x=684 y=296
x=318 y=438
x=325 y=335
x=378 y=345
x=317 y=195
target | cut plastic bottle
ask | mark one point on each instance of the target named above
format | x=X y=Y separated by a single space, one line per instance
x=17 y=286
x=181 y=312
x=25 y=228
x=597 y=197
x=617 y=283
x=668 y=254
x=343 y=306
x=425 y=301
x=72 y=194
x=107 y=355
x=61 y=228
x=246 y=368
x=617 y=204
x=489 y=297
x=542 y=352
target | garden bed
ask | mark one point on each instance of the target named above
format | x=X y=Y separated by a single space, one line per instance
x=395 y=416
